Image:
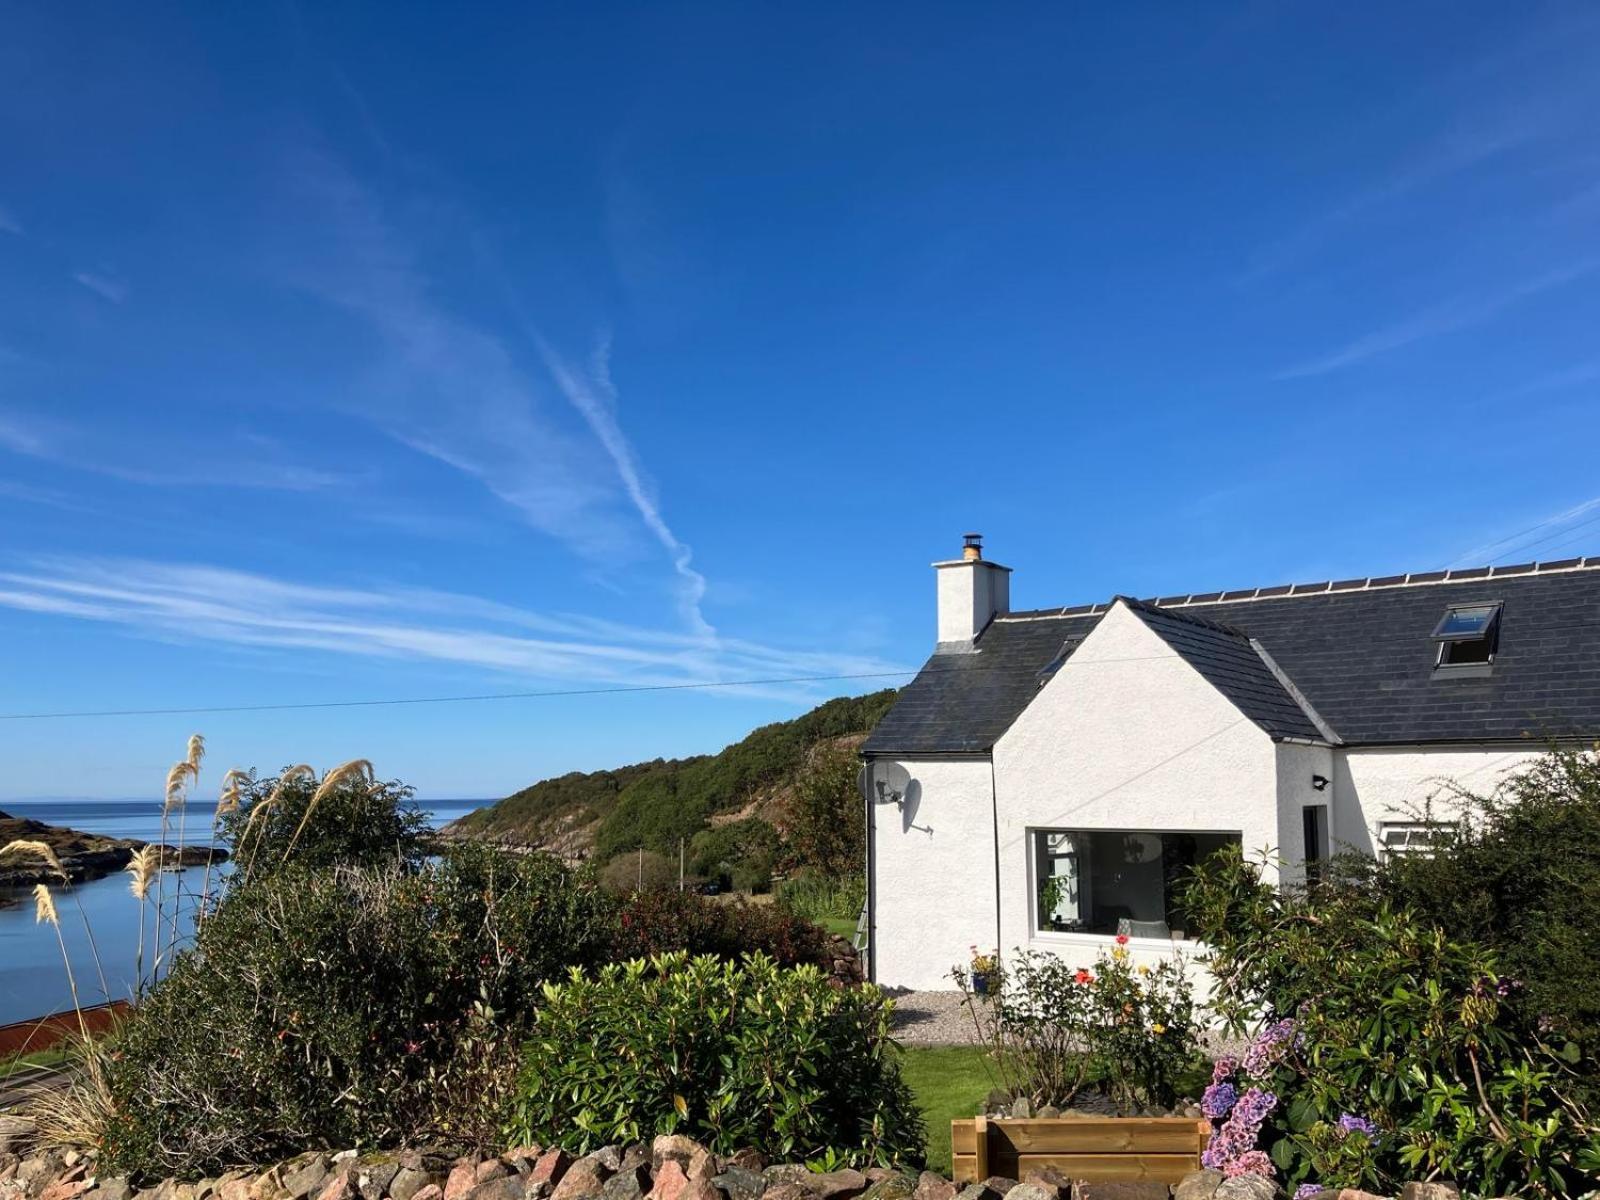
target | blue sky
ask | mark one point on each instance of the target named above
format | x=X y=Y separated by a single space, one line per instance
x=365 y=351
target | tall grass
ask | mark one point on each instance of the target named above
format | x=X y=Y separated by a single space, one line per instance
x=78 y=1115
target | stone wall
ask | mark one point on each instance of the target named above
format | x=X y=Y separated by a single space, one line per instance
x=671 y=1168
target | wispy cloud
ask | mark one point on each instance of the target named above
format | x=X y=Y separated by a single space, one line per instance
x=1450 y=155
x=62 y=445
x=595 y=397
x=190 y=602
x=445 y=386
x=1459 y=312
x=20 y=438
x=1536 y=536
x=105 y=286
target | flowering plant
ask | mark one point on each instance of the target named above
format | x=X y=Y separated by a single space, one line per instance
x=1389 y=1051
x=1057 y=1028
x=985 y=964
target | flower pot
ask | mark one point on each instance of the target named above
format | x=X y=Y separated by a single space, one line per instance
x=981 y=983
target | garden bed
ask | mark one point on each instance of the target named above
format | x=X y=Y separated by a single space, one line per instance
x=1157 y=1149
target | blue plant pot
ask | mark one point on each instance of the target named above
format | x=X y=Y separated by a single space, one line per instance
x=980 y=984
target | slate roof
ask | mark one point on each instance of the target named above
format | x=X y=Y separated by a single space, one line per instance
x=1357 y=651
x=1227 y=661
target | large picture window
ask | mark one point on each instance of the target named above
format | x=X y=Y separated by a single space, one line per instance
x=1116 y=881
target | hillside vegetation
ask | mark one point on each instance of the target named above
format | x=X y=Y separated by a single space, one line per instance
x=713 y=802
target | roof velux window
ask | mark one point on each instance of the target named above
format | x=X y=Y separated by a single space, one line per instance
x=1468 y=635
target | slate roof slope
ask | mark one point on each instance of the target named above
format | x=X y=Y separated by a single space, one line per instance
x=961 y=703
x=1362 y=658
x=1228 y=662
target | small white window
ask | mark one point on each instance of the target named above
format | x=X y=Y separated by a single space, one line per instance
x=1410 y=837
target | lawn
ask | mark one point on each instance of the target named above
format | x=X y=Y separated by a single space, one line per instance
x=950 y=1082
x=843 y=926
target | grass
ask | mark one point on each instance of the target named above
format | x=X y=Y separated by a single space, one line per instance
x=950 y=1083
x=843 y=926
x=11 y=1064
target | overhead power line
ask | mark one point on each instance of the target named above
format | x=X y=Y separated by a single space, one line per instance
x=606 y=691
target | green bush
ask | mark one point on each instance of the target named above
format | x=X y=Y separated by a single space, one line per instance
x=357 y=824
x=1370 y=1016
x=344 y=1007
x=664 y=920
x=1522 y=876
x=737 y=854
x=823 y=897
x=732 y=1054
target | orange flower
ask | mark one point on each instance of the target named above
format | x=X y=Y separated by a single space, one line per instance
x=1083 y=976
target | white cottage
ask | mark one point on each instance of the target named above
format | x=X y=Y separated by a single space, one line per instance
x=1048 y=774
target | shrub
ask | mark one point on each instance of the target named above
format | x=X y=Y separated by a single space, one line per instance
x=357 y=823
x=1056 y=1028
x=733 y=1054
x=666 y=920
x=627 y=873
x=1386 y=1050
x=824 y=897
x=343 y=1007
x=1522 y=875
x=737 y=854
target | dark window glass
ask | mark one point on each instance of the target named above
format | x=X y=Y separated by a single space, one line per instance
x=1100 y=881
x=1466 y=622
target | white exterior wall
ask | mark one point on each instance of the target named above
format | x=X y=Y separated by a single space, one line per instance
x=1374 y=785
x=933 y=873
x=1126 y=736
x=970 y=592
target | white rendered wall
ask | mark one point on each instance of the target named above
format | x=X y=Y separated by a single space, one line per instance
x=1374 y=785
x=970 y=591
x=933 y=874
x=1297 y=768
x=1126 y=736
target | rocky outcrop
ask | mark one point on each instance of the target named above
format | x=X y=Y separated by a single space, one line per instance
x=84 y=856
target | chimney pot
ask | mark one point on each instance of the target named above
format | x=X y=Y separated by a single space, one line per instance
x=972 y=547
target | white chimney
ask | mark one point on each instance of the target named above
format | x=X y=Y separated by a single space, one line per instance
x=971 y=592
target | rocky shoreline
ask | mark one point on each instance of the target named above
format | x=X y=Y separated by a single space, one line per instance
x=83 y=856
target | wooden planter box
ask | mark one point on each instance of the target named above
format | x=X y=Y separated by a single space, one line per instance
x=1098 y=1149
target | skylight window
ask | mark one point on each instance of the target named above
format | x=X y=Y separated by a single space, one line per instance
x=1468 y=635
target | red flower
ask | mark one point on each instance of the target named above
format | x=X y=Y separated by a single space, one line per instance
x=1122 y=939
x=1083 y=976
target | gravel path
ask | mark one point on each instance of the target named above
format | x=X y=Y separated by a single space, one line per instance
x=938 y=1019
x=932 y=1019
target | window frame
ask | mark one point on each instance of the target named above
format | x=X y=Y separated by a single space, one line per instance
x=1032 y=834
x=1386 y=851
x=1487 y=636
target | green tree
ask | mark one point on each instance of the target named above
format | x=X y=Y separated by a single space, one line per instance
x=824 y=818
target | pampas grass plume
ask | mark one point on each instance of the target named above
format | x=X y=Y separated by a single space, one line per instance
x=142 y=868
x=44 y=906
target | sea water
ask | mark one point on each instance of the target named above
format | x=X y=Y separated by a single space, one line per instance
x=33 y=980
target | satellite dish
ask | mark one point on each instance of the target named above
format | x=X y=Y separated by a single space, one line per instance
x=884 y=782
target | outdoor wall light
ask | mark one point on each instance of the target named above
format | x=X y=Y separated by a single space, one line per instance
x=1319 y=782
